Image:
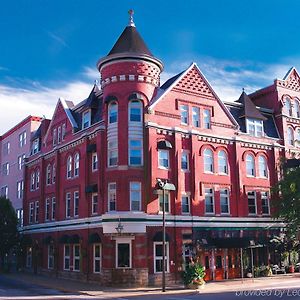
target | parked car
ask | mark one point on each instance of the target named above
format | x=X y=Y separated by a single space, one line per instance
x=297 y=267
x=276 y=269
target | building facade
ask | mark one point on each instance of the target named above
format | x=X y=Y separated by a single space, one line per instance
x=15 y=147
x=93 y=206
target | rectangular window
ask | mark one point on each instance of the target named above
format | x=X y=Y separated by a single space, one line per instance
x=97 y=258
x=209 y=201
x=123 y=255
x=112 y=153
x=76 y=258
x=36 y=212
x=196 y=116
x=5 y=169
x=252 y=203
x=58 y=135
x=54 y=136
x=22 y=139
x=163 y=159
x=20 y=216
x=94 y=162
x=76 y=204
x=158 y=257
x=66 y=257
x=265 y=203
x=68 y=205
x=31 y=212
x=135 y=152
x=50 y=256
x=53 y=208
x=6 y=148
x=63 y=131
x=47 y=210
x=4 y=191
x=32 y=181
x=167 y=202
x=224 y=201
x=255 y=127
x=94 y=204
x=29 y=257
x=35 y=146
x=86 y=119
x=184 y=161
x=185 y=204
x=184 y=114
x=206 y=119
x=135 y=196
x=20 y=189
x=112 y=196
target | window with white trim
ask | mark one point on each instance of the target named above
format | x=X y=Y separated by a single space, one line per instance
x=135 y=152
x=68 y=205
x=53 y=173
x=97 y=258
x=185 y=204
x=67 y=257
x=262 y=167
x=297 y=141
x=20 y=189
x=196 y=116
x=76 y=204
x=94 y=204
x=113 y=113
x=135 y=196
x=290 y=136
x=5 y=169
x=265 y=203
x=76 y=165
x=4 y=191
x=123 y=255
x=31 y=212
x=50 y=256
x=250 y=165
x=58 y=135
x=163 y=158
x=76 y=258
x=135 y=111
x=20 y=162
x=22 y=139
x=167 y=201
x=47 y=209
x=209 y=201
x=158 y=257
x=252 y=209
x=112 y=153
x=6 y=148
x=297 y=108
x=36 y=211
x=54 y=137
x=86 y=119
x=224 y=201
x=288 y=107
x=208 y=161
x=35 y=146
x=255 y=127
x=37 y=179
x=185 y=161
x=184 y=114
x=222 y=162
x=69 y=167
x=206 y=119
x=53 y=208
x=48 y=175
x=94 y=161
x=63 y=132
x=112 y=196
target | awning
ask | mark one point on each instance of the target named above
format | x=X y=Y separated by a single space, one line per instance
x=164 y=145
x=234 y=242
x=94 y=238
x=158 y=237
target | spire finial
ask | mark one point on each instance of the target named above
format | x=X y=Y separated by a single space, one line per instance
x=131 y=23
x=243 y=90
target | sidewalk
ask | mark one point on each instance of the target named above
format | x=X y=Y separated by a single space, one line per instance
x=93 y=289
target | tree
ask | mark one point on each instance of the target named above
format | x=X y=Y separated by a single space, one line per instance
x=8 y=228
x=287 y=206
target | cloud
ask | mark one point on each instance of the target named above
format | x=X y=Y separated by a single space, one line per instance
x=58 y=39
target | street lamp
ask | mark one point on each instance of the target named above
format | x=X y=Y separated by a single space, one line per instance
x=120 y=227
x=164 y=185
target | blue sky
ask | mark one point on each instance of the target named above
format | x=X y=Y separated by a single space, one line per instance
x=50 y=48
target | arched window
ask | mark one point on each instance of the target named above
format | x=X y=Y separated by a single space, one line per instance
x=262 y=166
x=298 y=137
x=37 y=179
x=288 y=107
x=113 y=113
x=135 y=111
x=53 y=173
x=222 y=162
x=250 y=165
x=290 y=134
x=48 y=175
x=69 y=167
x=297 y=108
x=76 y=165
x=208 y=161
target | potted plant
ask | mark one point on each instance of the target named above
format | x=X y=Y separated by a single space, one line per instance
x=193 y=276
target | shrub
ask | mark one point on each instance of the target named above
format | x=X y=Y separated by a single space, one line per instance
x=194 y=274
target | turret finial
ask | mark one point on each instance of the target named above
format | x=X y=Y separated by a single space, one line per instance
x=131 y=23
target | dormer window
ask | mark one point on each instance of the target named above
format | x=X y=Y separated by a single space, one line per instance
x=255 y=127
x=86 y=119
x=35 y=146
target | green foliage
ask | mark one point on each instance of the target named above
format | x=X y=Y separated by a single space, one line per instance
x=287 y=206
x=8 y=227
x=194 y=273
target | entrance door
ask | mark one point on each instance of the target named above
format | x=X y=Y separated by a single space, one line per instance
x=219 y=264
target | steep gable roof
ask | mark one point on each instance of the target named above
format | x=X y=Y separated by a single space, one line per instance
x=291 y=80
x=249 y=108
x=190 y=81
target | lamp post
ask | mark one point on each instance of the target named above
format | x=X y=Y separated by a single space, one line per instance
x=164 y=186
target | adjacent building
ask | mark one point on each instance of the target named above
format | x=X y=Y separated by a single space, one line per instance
x=15 y=146
x=93 y=206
